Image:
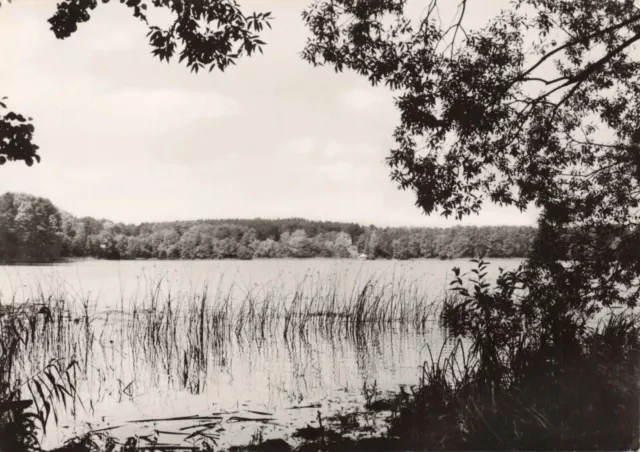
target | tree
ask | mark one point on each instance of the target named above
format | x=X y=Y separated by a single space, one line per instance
x=379 y=244
x=16 y=133
x=342 y=245
x=541 y=105
x=297 y=244
x=402 y=248
x=31 y=229
x=209 y=34
x=267 y=248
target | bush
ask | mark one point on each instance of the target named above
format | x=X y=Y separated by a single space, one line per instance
x=525 y=373
x=23 y=419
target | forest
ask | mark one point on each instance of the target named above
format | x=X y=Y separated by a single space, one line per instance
x=33 y=229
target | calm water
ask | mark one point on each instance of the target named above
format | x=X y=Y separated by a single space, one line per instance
x=111 y=283
x=267 y=377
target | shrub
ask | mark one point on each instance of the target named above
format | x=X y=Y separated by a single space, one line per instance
x=27 y=401
x=535 y=374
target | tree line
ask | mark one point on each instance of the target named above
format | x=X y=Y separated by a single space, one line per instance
x=33 y=229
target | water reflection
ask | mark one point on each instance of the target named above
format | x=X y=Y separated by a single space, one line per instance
x=286 y=349
x=126 y=377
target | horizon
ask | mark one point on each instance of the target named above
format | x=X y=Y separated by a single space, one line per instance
x=136 y=140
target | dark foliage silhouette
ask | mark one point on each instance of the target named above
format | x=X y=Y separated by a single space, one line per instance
x=28 y=400
x=538 y=106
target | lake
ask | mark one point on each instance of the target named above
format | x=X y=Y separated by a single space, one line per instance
x=246 y=346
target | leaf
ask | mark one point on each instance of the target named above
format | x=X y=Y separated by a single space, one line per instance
x=52 y=379
x=47 y=407
x=39 y=388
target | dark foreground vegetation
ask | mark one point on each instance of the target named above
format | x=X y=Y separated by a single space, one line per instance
x=582 y=396
x=509 y=377
x=33 y=229
x=28 y=396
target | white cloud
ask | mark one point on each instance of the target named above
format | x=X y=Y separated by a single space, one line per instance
x=141 y=103
x=113 y=42
x=334 y=149
x=300 y=146
x=90 y=97
x=363 y=99
x=344 y=172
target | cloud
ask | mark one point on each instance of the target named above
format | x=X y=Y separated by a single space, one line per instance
x=344 y=172
x=89 y=97
x=334 y=149
x=113 y=42
x=299 y=146
x=363 y=99
x=176 y=104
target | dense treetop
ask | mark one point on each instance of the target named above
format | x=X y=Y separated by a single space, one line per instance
x=486 y=113
x=540 y=105
x=33 y=230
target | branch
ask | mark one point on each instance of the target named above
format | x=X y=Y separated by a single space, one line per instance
x=578 y=79
x=601 y=145
x=458 y=26
x=546 y=82
x=432 y=6
x=593 y=173
x=581 y=77
x=573 y=42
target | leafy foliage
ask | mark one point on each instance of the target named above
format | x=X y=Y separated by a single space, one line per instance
x=523 y=375
x=30 y=229
x=207 y=33
x=16 y=134
x=538 y=106
x=33 y=230
x=22 y=419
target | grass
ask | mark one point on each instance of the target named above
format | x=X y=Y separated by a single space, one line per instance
x=182 y=333
x=591 y=401
x=29 y=395
x=588 y=402
x=580 y=395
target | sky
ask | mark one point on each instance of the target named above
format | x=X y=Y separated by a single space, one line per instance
x=126 y=137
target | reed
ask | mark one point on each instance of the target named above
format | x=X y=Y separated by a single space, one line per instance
x=183 y=331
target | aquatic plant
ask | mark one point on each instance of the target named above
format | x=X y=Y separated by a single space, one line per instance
x=29 y=396
x=181 y=334
x=522 y=376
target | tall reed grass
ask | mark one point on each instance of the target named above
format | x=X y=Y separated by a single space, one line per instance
x=183 y=331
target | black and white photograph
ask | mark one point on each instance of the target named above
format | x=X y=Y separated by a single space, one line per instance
x=319 y=225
